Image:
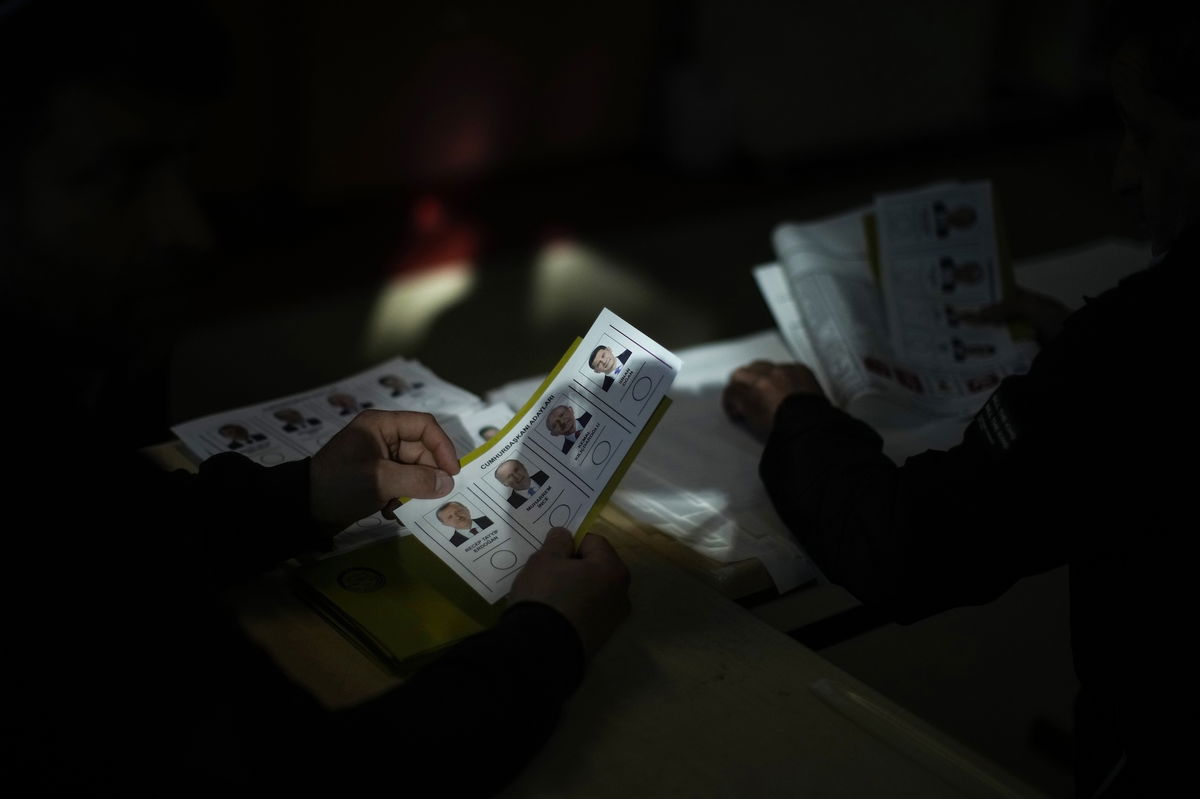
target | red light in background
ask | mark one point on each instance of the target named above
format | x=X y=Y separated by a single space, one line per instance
x=428 y=215
x=435 y=240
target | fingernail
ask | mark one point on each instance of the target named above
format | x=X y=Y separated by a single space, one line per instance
x=443 y=483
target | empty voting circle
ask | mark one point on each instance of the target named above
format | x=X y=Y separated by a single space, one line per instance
x=503 y=559
x=641 y=389
x=370 y=521
x=361 y=580
x=560 y=516
x=270 y=458
x=600 y=452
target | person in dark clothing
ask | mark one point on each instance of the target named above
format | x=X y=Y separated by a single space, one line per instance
x=1082 y=462
x=139 y=677
x=129 y=674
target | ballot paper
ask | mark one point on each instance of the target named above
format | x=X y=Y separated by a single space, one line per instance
x=873 y=299
x=554 y=463
x=471 y=429
x=296 y=426
x=938 y=257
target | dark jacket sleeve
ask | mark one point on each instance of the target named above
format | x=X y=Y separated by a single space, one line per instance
x=1059 y=466
x=478 y=712
x=940 y=531
x=232 y=519
x=475 y=716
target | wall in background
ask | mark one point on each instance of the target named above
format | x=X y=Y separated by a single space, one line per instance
x=329 y=100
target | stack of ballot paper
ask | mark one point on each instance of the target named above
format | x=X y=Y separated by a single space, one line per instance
x=293 y=427
x=697 y=478
x=873 y=299
x=402 y=589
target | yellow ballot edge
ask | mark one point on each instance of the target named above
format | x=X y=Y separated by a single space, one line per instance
x=417 y=605
x=1019 y=329
x=603 y=497
x=871 y=233
x=482 y=449
x=527 y=407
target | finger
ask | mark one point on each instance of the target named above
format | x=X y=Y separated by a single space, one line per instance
x=1035 y=297
x=408 y=426
x=732 y=399
x=415 y=452
x=753 y=371
x=745 y=375
x=559 y=543
x=597 y=550
x=389 y=510
x=412 y=480
x=596 y=547
x=986 y=315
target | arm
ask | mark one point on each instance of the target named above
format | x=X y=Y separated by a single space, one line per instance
x=1045 y=314
x=483 y=709
x=235 y=518
x=475 y=716
x=939 y=531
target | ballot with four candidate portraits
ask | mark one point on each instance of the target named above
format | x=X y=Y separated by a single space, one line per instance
x=555 y=461
x=401 y=590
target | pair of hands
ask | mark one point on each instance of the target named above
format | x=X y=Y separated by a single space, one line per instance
x=381 y=455
x=755 y=391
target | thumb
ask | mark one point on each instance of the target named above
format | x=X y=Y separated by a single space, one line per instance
x=559 y=543
x=413 y=480
x=1003 y=311
x=596 y=547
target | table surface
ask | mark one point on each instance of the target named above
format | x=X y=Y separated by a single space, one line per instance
x=692 y=696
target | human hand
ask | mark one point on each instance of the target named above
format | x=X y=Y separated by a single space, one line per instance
x=590 y=587
x=378 y=456
x=1046 y=314
x=756 y=390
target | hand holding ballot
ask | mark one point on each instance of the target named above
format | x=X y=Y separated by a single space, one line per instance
x=378 y=456
x=756 y=390
x=588 y=587
x=555 y=462
x=1046 y=314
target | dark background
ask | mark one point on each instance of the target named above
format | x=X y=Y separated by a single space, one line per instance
x=362 y=144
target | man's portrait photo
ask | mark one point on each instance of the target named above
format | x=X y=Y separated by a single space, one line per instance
x=561 y=421
x=946 y=220
x=395 y=383
x=239 y=436
x=959 y=273
x=488 y=432
x=293 y=420
x=603 y=361
x=522 y=484
x=347 y=403
x=456 y=516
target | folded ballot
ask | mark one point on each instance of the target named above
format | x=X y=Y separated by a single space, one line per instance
x=556 y=460
x=874 y=299
x=402 y=589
